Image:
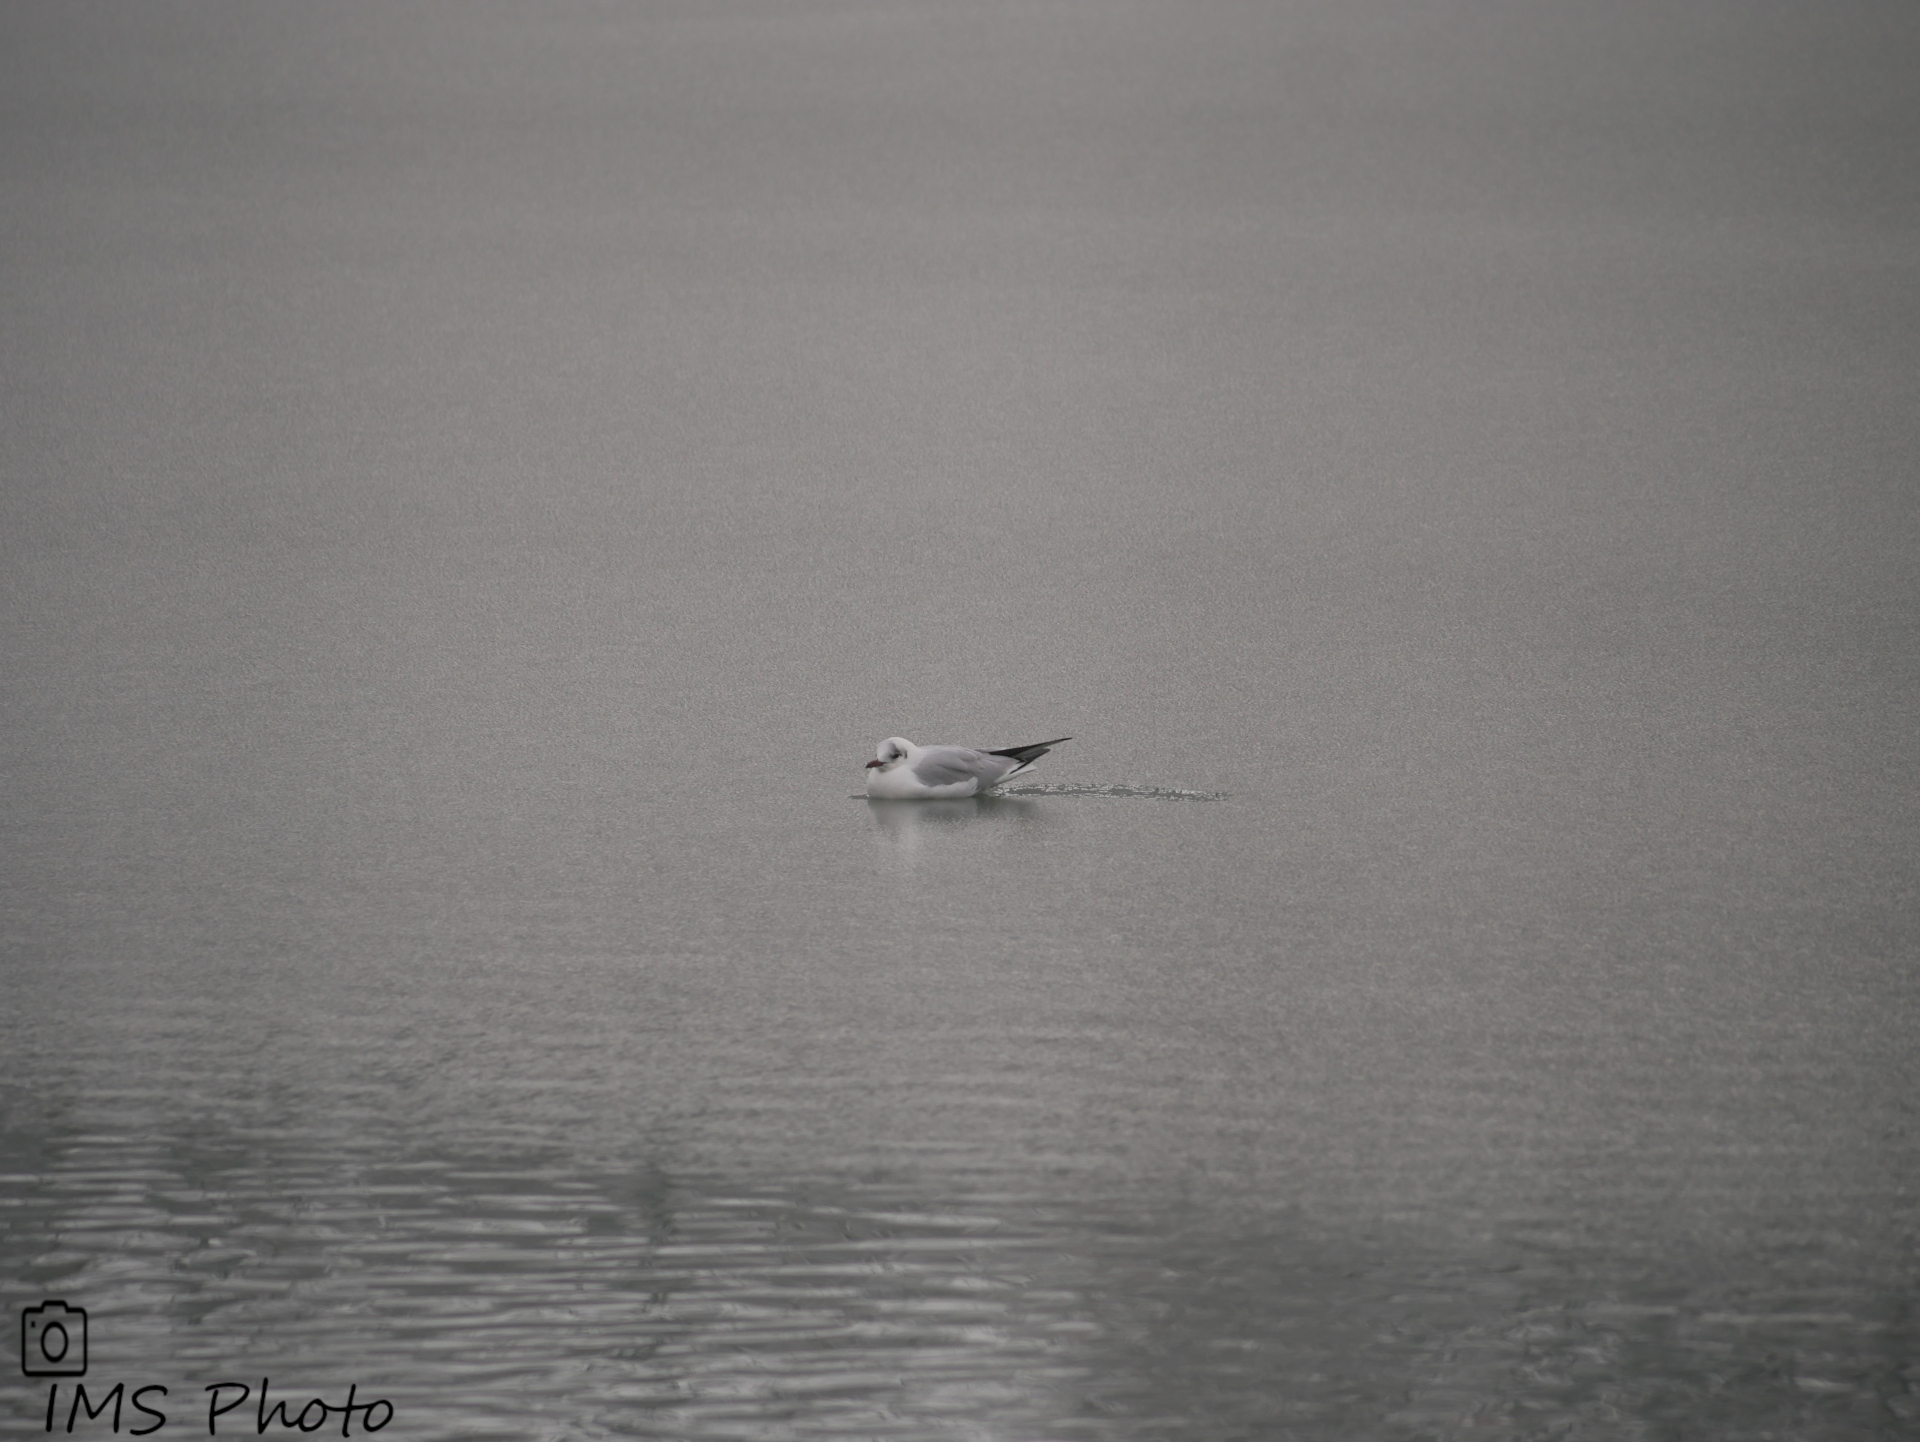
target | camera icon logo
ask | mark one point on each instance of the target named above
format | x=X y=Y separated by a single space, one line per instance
x=53 y=1340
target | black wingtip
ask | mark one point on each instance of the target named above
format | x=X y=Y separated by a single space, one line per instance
x=1027 y=755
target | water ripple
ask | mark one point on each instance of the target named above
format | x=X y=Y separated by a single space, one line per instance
x=516 y=1295
x=1146 y=793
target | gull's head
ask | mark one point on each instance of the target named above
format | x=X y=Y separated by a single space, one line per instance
x=892 y=752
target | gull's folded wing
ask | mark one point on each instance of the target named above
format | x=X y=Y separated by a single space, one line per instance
x=1027 y=755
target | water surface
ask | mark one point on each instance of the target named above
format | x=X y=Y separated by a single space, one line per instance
x=480 y=482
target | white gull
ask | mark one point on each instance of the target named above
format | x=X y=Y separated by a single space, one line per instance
x=906 y=772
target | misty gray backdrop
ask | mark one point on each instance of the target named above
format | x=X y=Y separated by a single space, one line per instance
x=480 y=480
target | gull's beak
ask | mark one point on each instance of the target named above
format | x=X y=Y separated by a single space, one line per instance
x=872 y=764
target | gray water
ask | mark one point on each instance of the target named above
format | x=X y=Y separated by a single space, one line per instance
x=480 y=480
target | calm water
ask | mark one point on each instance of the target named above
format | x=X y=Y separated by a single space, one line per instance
x=479 y=482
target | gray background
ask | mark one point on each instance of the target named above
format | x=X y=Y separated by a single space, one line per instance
x=479 y=481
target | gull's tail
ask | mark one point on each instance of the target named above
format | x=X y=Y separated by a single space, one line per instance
x=1027 y=755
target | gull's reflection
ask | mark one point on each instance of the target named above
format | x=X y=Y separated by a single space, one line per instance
x=906 y=826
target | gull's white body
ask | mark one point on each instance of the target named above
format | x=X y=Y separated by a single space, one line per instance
x=907 y=772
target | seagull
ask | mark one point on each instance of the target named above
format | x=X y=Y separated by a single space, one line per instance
x=906 y=772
